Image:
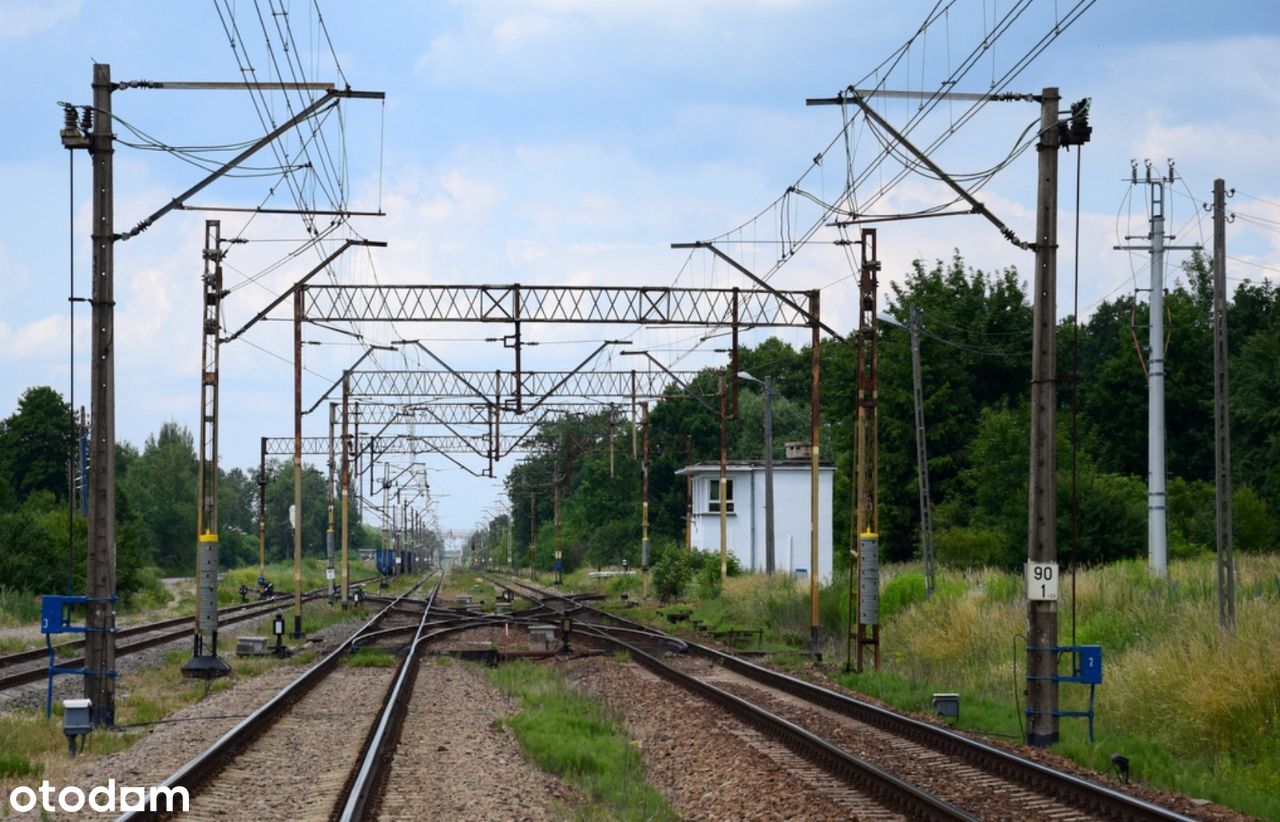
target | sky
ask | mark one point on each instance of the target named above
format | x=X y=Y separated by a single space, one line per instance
x=572 y=142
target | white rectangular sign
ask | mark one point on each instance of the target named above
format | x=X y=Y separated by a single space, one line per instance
x=1042 y=581
x=328 y=573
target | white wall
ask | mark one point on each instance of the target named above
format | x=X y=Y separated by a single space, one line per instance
x=746 y=531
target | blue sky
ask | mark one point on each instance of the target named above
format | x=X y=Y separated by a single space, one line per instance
x=562 y=141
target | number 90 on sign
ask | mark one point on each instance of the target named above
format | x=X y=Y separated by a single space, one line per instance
x=1042 y=581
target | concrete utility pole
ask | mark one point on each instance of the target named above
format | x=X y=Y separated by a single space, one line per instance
x=1042 y=512
x=1157 y=496
x=922 y=457
x=100 y=645
x=1222 y=415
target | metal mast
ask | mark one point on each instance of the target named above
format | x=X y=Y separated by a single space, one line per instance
x=204 y=662
x=922 y=456
x=1222 y=415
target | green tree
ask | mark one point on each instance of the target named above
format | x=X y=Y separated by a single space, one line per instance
x=161 y=488
x=35 y=443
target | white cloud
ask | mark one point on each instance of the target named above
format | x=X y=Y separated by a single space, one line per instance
x=22 y=18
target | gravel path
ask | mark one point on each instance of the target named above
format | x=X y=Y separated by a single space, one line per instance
x=456 y=759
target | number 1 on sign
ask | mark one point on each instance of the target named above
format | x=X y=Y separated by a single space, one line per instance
x=1042 y=581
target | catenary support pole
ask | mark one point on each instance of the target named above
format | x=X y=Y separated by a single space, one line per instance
x=346 y=492
x=814 y=453
x=769 y=540
x=262 y=510
x=329 y=569
x=1222 y=415
x=205 y=662
x=100 y=647
x=724 y=484
x=922 y=457
x=297 y=463
x=1042 y=547
x=644 y=506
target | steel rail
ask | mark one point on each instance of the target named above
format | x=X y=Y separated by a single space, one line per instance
x=1069 y=788
x=42 y=653
x=213 y=759
x=365 y=787
x=880 y=784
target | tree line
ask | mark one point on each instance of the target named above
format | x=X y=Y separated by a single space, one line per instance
x=976 y=366
x=156 y=500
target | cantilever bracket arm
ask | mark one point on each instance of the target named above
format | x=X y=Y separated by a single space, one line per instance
x=551 y=392
x=339 y=380
x=488 y=403
x=302 y=282
x=688 y=392
x=852 y=95
x=804 y=312
x=330 y=97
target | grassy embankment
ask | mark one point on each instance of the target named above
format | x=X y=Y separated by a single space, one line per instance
x=1193 y=709
x=571 y=735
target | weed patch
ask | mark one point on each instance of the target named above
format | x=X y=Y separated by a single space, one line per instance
x=573 y=736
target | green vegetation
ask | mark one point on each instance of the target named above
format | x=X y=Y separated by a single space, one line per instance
x=573 y=736
x=976 y=351
x=1194 y=710
x=369 y=657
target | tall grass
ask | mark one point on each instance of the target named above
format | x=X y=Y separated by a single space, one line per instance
x=1195 y=709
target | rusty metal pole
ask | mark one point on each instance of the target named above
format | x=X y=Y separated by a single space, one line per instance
x=1222 y=416
x=205 y=662
x=262 y=510
x=814 y=452
x=346 y=491
x=688 y=495
x=733 y=367
x=724 y=484
x=297 y=463
x=533 y=532
x=100 y=639
x=644 y=506
x=329 y=570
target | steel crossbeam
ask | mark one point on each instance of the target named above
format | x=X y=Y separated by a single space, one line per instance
x=400 y=444
x=555 y=304
x=488 y=385
x=470 y=413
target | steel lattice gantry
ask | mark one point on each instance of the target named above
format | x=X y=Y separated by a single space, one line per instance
x=409 y=412
x=493 y=386
x=555 y=304
x=400 y=444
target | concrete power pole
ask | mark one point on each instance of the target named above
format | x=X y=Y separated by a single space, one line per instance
x=1042 y=546
x=1157 y=496
x=100 y=646
x=1222 y=415
x=922 y=457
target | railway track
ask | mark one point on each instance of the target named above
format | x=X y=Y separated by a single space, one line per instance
x=327 y=716
x=25 y=667
x=962 y=773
